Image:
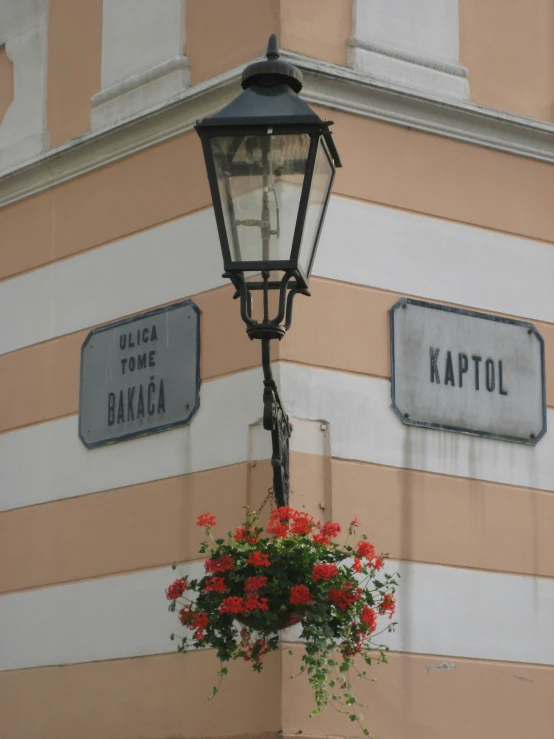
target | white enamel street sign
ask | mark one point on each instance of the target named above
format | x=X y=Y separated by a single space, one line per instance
x=468 y=372
x=140 y=375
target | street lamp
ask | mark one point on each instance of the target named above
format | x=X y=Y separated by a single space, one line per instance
x=271 y=163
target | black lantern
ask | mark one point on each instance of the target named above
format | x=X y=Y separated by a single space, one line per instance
x=271 y=163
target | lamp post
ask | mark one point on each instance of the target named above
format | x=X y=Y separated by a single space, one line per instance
x=270 y=162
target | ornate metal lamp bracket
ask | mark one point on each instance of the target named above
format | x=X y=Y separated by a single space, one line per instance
x=275 y=418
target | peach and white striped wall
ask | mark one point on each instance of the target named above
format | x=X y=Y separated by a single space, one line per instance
x=87 y=537
x=472 y=516
x=436 y=614
x=92 y=285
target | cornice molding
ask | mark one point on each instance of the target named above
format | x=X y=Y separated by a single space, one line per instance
x=348 y=91
x=455 y=69
x=324 y=84
x=139 y=80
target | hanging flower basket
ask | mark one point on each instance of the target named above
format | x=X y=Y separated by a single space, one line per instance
x=258 y=583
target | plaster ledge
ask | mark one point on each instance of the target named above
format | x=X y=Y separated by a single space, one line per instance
x=396 y=66
x=326 y=84
x=435 y=64
x=138 y=80
x=134 y=95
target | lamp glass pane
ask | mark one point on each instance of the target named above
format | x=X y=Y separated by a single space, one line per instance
x=319 y=193
x=260 y=182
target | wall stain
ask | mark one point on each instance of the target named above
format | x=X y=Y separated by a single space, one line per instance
x=516 y=677
x=442 y=666
x=409 y=455
x=477 y=501
x=535 y=531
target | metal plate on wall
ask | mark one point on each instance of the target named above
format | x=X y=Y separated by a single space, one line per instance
x=469 y=372
x=141 y=375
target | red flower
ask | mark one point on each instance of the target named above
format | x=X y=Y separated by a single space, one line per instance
x=365 y=549
x=321 y=539
x=357 y=566
x=285 y=520
x=199 y=622
x=252 y=650
x=258 y=559
x=185 y=614
x=378 y=563
x=215 y=585
x=345 y=596
x=300 y=595
x=355 y=522
x=219 y=565
x=232 y=604
x=302 y=524
x=206 y=520
x=278 y=529
x=245 y=534
x=284 y=513
x=176 y=589
x=369 y=617
x=326 y=532
x=330 y=529
x=324 y=571
x=255 y=603
x=388 y=604
x=253 y=584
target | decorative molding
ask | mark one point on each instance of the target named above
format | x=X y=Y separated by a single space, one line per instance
x=325 y=84
x=392 y=66
x=406 y=56
x=131 y=83
x=23 y=34
x=107 y=145
x=409 y=44
x=127 y=98
x=6 y=82
x=143 y=58
x=343 y=89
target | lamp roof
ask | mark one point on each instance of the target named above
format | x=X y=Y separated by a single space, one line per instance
x=270 y=99
x=257 y=105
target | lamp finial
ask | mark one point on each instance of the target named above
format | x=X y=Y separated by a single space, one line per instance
x=272 y=70
x=272 y=47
